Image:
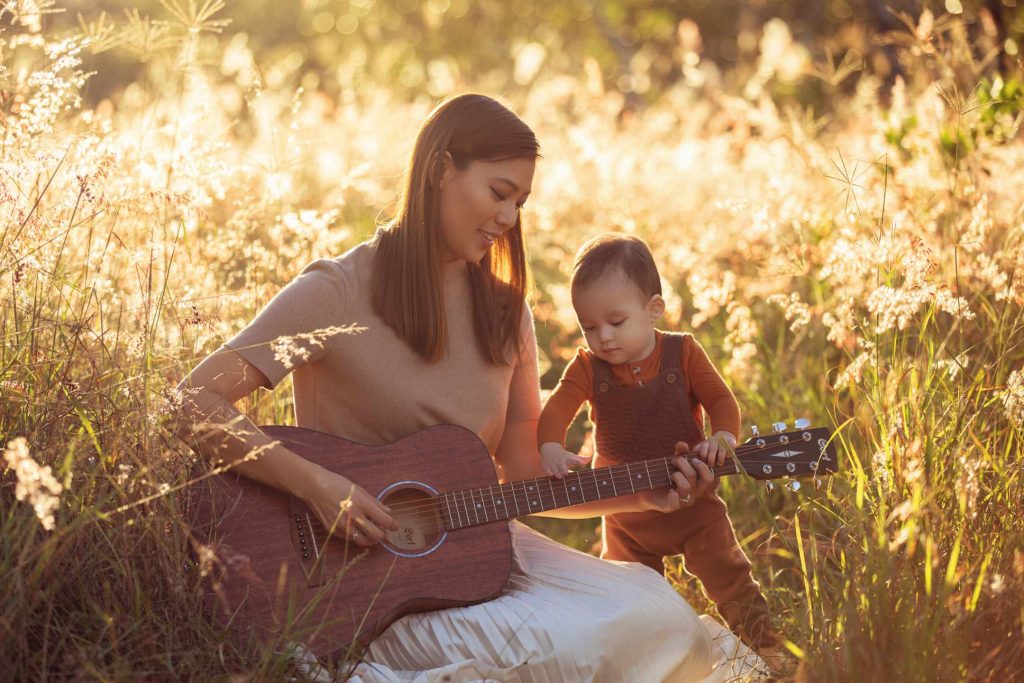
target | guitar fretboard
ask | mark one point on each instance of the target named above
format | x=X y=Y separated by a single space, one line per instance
x=468 y=507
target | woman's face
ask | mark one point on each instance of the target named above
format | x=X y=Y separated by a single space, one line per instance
x=479 y=203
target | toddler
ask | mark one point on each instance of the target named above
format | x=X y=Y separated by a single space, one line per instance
x=647 y=391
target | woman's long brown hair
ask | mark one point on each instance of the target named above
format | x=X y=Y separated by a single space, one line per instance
x=407 y=287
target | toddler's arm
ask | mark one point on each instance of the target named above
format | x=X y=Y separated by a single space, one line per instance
x=558 y=413
x=717 y=400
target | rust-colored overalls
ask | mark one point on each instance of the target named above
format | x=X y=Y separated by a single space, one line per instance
x=640 y=423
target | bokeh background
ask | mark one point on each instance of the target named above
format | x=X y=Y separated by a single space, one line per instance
x=832 y=191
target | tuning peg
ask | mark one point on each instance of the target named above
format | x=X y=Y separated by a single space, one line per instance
x=793 y=485
x=802 y=423
x=754 y=431
x=778 y=427
x=769 y=486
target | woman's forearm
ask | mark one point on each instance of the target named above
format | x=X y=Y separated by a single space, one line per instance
x=597 y=508
x=224 y=436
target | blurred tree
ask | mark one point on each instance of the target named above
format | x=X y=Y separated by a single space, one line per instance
x=637 y=47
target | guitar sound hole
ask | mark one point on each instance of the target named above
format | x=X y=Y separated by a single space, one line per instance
x=419 y=522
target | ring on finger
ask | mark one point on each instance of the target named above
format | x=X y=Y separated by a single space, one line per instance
x=355 y=534
x=687 y=499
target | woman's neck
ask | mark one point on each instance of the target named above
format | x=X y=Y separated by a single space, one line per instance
x=452 y=269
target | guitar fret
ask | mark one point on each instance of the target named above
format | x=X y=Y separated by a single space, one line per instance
x=502 y=503
x=650 y=484
x=466 y=508
x=493 y=506
x=515 y=499
x=480 y=505
x=551 y=487
x=579 y=483
x=615 y=491
x=568 y=500
x=451 y=520
x=457 y=511
x=532 y=487
x=668 y=471
x=629 y=477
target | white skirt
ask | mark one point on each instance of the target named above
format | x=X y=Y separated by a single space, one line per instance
x=564 y=616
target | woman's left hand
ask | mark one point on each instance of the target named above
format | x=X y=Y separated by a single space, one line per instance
x=690 y=481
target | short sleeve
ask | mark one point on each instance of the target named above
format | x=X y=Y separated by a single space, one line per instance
x=299 y=324
x=524 y=389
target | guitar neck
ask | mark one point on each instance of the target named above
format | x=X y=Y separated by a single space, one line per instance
x=469 y=507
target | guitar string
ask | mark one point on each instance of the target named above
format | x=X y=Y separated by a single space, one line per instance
x=623 y=478
x=619 y=473
x=426 y=509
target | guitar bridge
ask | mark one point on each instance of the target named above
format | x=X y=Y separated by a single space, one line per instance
x=308 y=547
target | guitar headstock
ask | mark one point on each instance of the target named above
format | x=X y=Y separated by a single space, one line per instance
x=806 y=451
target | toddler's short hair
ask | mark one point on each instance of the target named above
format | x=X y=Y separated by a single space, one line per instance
x=604 y=253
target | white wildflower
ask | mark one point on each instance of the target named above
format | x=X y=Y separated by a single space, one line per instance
x=36 y=484
x=952 y=366
x=852 y=373
x=880 y=463
x=292 y=351
x=797 y=313
x=708 y=296
x=1013 y=398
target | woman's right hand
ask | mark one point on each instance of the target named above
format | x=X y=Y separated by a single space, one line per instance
x=348 y=509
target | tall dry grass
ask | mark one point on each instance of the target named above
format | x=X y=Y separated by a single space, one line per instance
x=860 y=269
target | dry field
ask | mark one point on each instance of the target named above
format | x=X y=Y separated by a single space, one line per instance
x=863 y=269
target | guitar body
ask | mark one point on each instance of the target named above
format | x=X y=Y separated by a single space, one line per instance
x=274 y=568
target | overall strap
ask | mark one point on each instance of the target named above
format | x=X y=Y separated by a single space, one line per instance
x=671 y=350
x=603 y=377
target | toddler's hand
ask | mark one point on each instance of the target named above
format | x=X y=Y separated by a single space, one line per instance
x=716 y=449
x=557 y=460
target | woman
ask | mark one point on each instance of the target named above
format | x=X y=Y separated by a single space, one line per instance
x=446 y=337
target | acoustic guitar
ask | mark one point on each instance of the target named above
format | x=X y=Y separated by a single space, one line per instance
x=277 y=567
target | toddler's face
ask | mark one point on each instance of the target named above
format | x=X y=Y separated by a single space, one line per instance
x=617 y=320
